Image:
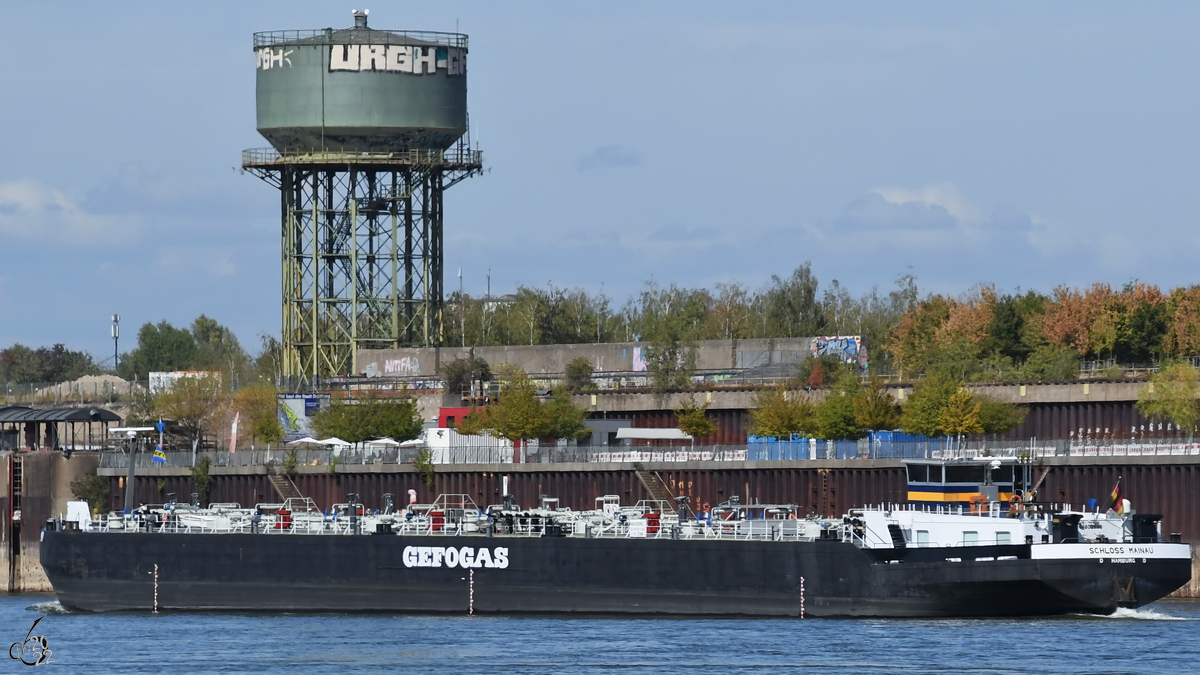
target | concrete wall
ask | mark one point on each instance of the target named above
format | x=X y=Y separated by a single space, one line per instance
x=45 y=490
x=613 y=357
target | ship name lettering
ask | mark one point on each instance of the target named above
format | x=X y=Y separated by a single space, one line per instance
x=464 y=557
x=1107 y=550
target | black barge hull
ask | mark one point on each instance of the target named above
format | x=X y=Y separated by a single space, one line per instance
x=563 y=575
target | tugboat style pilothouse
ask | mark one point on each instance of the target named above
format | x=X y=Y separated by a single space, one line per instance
x=982 y=556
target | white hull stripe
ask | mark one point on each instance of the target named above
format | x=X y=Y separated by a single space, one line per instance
x=1102 y=551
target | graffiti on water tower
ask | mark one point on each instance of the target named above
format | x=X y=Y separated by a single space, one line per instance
x=268 y=58
x=412 y=60
x=847 y=348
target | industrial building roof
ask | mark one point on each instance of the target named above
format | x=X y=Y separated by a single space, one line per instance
x=21 y=414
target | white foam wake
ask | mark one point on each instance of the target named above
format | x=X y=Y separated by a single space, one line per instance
x=52 y=607
x=1144 y=614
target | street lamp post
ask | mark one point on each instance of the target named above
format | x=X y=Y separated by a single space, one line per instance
x=116 y=334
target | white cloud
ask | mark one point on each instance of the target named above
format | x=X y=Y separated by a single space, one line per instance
x=945 y=195
x=32 y=211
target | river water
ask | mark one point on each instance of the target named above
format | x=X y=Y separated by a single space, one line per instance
x=1160 y=638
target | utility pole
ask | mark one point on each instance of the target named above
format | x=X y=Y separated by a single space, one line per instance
x=599 y=311
x=462 y=311
x=116 y=334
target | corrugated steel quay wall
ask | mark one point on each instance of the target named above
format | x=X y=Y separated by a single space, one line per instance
x=1102 y=419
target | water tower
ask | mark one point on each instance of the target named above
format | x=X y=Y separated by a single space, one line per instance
x=368 y=129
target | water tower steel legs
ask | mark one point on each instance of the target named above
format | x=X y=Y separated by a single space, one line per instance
x=362 y=263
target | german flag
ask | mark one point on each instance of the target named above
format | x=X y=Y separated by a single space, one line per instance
x=1117 y=502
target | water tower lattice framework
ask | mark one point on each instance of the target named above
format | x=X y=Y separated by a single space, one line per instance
x=369 y=129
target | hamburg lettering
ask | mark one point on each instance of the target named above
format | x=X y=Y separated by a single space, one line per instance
x=464 y=557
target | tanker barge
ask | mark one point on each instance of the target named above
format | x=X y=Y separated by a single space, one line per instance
x=648 y=559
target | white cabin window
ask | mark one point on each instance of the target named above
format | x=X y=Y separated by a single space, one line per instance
x=922 y=538
x=970 y=538
x=1003 y=538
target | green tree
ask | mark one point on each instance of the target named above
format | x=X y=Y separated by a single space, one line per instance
x=1143 y=333
x=564 y=418
x=92 y=489
x=368 y=418
x=997 y=417
x=217 y=348
x=922 y=413
x=578 y=374
x=819 y=371
x=258 y=404
x=1048 y=363
x=22 y=365
x=201 y=477
x=875 y=408
x=1170 y=396
x=835 y=416
x=18 y=365
x=159 y=348
x=671 y=365
x=1012 y=332
x=473 y=423
x=790 y=306
x=460 y=373
x=960 y=415
x=268 y=365
x=693 y=419
x=518 y=415
x=196 y=404
x=775 y=415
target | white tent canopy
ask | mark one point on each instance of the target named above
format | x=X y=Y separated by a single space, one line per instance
x=302 y=441
x=385 y=441
x=653 y=434
x=333 y=441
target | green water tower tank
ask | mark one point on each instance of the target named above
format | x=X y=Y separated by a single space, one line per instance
x=360 y=89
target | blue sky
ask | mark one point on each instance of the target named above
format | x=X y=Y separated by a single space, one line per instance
x=1025 y=144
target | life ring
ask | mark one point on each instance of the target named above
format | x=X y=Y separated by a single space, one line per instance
x=1014 y=502
x=977 y=504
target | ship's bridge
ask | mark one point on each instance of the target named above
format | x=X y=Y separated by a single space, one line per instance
x=966 y=481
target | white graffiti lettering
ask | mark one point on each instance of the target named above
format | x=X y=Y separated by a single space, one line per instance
x=413 y=60
x=465 y=557
x=267 y=58
x=409 y=365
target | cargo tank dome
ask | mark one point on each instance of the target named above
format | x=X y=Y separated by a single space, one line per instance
x=360 y=89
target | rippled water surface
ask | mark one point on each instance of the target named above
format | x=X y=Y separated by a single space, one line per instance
x=1161 y=638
